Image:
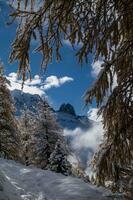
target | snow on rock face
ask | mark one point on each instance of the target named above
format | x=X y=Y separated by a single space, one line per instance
x=23 y=100
x=30 y=183
x=71 y=122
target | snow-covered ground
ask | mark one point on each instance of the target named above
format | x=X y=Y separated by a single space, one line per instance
x=29 y=183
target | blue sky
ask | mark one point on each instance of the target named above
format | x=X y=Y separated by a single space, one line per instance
x=71 y=91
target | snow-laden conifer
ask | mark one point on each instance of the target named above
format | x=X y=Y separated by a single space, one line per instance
x=9 y=138
x=41 y=139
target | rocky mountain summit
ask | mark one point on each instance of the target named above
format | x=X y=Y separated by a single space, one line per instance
x=67 y=108
x=68 y=119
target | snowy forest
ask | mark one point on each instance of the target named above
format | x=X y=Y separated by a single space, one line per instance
x=50 y=152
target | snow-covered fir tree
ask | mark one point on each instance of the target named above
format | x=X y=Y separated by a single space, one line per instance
x=40 y=134
x=33 y=139
x=26 y=128
x=58 y=159
x=9 y=138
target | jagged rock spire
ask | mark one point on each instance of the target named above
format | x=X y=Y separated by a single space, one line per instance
x=67 y=108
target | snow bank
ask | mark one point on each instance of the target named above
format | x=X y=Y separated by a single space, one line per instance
x=35 y=184
x=7 y=190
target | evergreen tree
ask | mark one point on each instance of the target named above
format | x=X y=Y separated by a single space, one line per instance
x=40 y=134
x=33 y=139
x=26 y=127
x=54 y=142
x=58 y=159
x=9 y=138
x=103 y=28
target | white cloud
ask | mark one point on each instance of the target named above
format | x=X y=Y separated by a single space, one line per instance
x=93 y=115
x=54 y=81
x=96 y=68
x=76 y=45
x=36 y=86
x=115 y=83
x=36 y=81
x=67 y=42
x=65 y=79
x=30 y=87
x=85 y=139
x=84 y=143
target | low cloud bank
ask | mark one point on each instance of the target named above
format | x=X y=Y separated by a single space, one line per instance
x=84 y=143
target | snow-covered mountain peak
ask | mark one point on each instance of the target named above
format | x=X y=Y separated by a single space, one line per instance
x=67 y=108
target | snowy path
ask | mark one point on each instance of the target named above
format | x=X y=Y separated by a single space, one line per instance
x=35 y=184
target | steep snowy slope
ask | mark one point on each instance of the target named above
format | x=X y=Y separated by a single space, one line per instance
x=25 y=100
x=29 y=183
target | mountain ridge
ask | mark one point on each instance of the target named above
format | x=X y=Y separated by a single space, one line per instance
x=66 y=115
